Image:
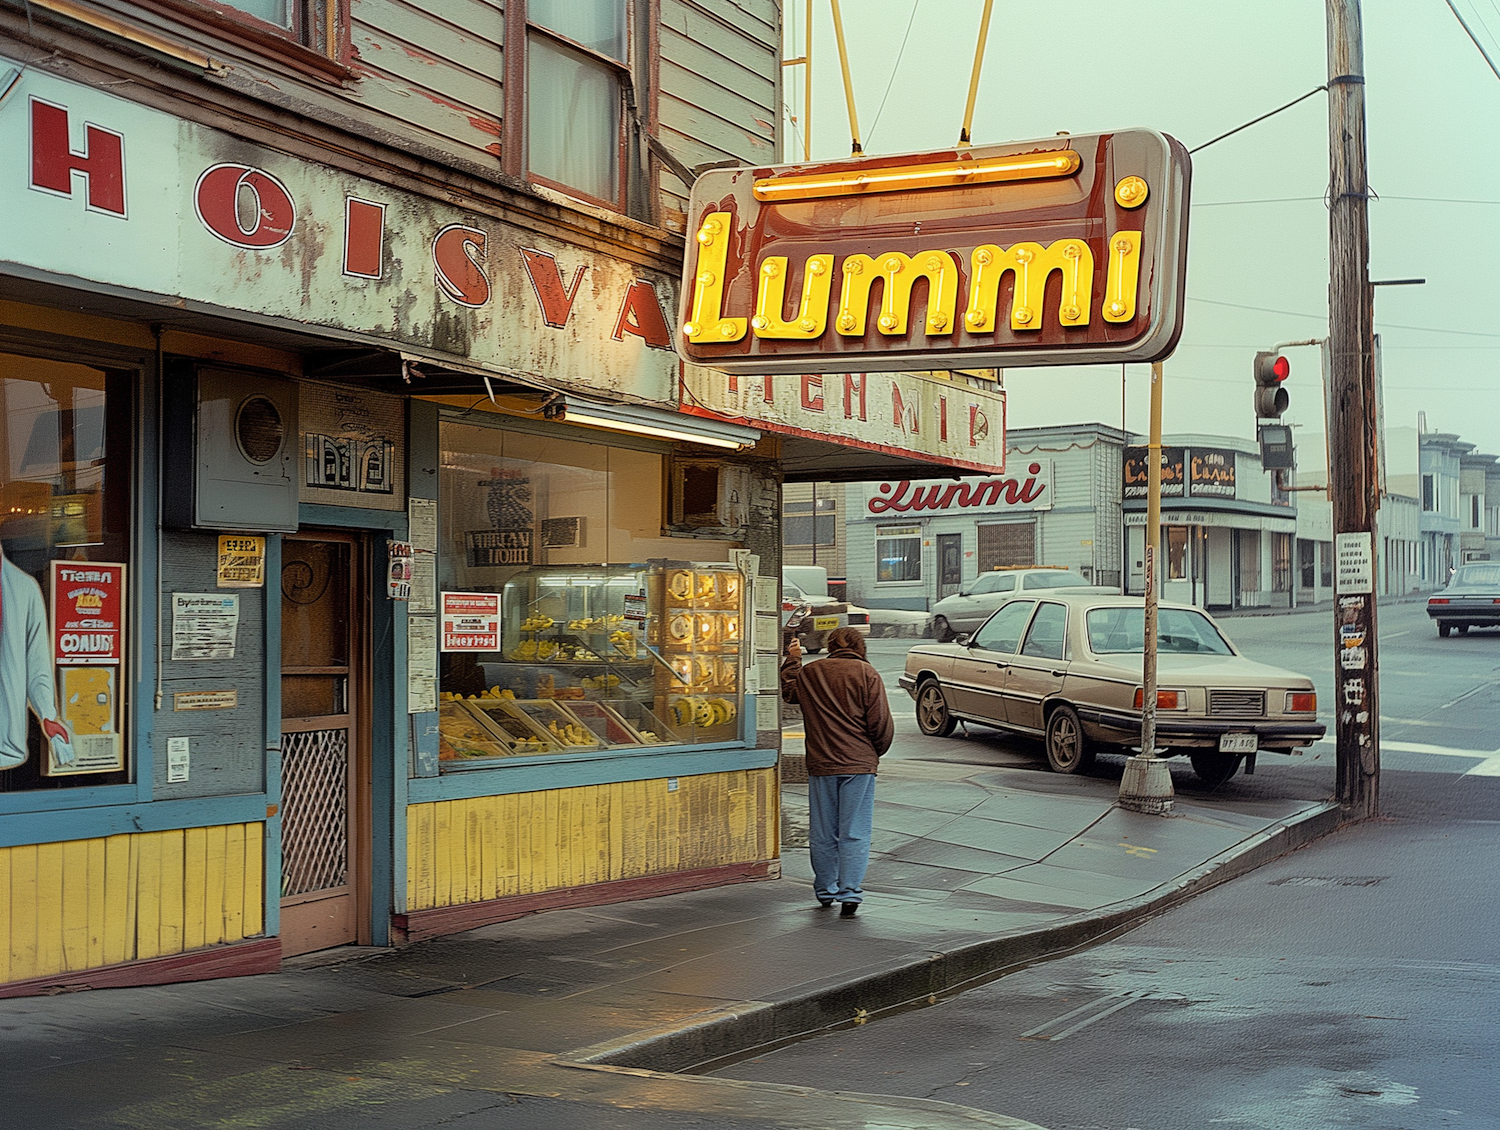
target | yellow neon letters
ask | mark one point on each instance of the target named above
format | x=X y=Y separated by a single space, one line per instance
x=898 y=273
x=770 y=298
x=1031 y=263
x=707 y=322
x=1124 y=276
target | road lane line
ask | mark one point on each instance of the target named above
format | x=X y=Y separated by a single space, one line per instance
x=1091 y=1013
x=1467 y=694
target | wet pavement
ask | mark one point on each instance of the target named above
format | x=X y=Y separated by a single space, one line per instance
x=577 y=1017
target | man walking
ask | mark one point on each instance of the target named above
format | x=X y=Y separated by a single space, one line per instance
x=849 y=726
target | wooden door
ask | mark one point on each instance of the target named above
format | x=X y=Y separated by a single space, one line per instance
x=324 y=745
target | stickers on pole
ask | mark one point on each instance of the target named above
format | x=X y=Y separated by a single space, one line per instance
x=1355 y=562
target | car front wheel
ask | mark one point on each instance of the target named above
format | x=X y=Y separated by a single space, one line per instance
x=933 y=718
x=1214 y=768
x=942 y=631
x=1068 y=750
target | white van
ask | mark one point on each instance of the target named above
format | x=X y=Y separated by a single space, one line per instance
x=811 y=579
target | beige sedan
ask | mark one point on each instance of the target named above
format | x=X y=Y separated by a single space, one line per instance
x=1066 y=668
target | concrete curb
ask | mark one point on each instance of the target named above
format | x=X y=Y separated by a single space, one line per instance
x=759 y=1025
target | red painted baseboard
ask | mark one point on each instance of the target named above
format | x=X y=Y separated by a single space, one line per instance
x=419 y=925
x=238 y=959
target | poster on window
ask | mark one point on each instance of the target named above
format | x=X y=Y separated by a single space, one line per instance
x=471 y=621
x=88 y=654
x=354 y=450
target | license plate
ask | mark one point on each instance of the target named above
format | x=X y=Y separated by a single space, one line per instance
x=1238 y=743
x=825 y=623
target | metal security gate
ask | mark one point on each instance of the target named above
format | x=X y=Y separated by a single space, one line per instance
x=314 y=811
x=1004 y=544
x=324 y=795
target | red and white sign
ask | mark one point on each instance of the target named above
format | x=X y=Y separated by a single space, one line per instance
x=239 y=227
x=904 y=414
x=88 y=613
x=1029 y=490
x=471 y=621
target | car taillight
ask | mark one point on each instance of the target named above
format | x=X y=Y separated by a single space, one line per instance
x=1165 y=700
x=788 y=606
x=858 y=618
x=1301 y=702
x=1438 y=600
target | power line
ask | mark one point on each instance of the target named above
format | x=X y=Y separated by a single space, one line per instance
x=1324 y=317
x=1463 y=23
x=1263 y=117
x=869 y=137
x=1295 y=199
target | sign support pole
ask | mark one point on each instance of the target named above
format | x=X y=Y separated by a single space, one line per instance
x=1147 y=783
x=1351 y=419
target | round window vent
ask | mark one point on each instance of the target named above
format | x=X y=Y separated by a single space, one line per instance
x=258 y=430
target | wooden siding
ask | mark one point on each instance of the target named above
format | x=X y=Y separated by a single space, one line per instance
x=718 y=81
x=82 y=904
x=438 y=76
x=486 y=848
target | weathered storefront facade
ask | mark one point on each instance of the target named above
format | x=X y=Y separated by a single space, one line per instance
x=362 y=580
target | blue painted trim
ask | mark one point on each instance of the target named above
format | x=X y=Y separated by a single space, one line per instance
x=60 y=800
x=387 y=655
x=272 y=700
x=531 y=778
x=140 y=738
x=352 y=517
x=150 y=816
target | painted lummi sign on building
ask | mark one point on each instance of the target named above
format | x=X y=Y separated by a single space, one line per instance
x=1062 y=251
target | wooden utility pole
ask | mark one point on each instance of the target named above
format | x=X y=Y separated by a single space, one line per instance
x=1352 y=441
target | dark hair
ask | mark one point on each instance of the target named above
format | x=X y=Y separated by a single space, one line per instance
x=847 y=639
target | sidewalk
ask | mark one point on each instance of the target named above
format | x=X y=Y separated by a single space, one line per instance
x=570 y=1018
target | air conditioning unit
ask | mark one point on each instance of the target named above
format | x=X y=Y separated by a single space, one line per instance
x=230 y=448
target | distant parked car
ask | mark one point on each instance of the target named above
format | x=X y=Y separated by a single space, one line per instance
x=1066 y=668
x=972 y=605
x=1471 y=600
x=811 y=618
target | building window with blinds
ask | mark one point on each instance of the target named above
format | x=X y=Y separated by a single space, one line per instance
x=576 y=75
x=898 y=553
x=809 y=523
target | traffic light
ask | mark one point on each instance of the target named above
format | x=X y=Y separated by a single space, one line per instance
x=1270 y=397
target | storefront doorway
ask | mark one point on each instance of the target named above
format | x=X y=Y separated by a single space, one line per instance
x=950 y=564
x=325 y=771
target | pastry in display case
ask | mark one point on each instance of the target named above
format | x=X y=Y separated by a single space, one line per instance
x=463 y=737
x=601 y=657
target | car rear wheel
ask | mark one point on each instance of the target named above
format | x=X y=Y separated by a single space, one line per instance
x=1444 y=628
x=942 y=631
x=1068 y=750
x=933 y=718
x=1214 y=768
x=1463 y=629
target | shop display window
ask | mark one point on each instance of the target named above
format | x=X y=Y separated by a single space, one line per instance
x=898 y=553
x=64 y=493
x=564 y=629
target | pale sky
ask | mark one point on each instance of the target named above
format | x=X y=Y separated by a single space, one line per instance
x=1257 y=272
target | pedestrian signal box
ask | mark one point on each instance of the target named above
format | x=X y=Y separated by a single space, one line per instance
x=1276 y=451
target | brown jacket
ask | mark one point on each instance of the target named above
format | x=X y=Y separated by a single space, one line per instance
x=844 y=711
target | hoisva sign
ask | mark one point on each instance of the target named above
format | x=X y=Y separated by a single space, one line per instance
x=1063 y=251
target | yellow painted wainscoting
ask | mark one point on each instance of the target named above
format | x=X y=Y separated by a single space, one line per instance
x=463 y=851
x=83 y=904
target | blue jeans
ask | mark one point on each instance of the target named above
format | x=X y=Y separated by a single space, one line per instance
x=841 y=814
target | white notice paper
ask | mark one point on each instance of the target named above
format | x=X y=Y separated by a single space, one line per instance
x=767 y=632
x=421 y=664
x=423 y=595
x=1356 y=564
x=179 y=759
x=204 y=625
x=421 y=522
x=765 y=594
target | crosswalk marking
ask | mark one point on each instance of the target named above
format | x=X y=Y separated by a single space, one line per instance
x=1489 y=759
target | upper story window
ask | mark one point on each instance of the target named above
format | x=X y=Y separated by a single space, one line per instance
x=1429 y=492
x=311 y=36
x=576 y=78
x=278 y=12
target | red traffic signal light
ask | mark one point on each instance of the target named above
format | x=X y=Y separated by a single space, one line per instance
x=1271 y=399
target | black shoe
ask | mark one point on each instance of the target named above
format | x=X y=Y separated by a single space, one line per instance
x=848 y=910
x=825 y=903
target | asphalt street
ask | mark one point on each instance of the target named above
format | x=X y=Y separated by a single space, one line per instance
x=1352 y=983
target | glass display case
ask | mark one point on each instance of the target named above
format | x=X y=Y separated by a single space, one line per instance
x=602 y=658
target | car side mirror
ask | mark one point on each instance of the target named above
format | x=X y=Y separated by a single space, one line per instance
x=964 y=592
x=963 y=639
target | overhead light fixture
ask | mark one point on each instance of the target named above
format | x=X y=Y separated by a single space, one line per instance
x=903 y=178
x=654 y=423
